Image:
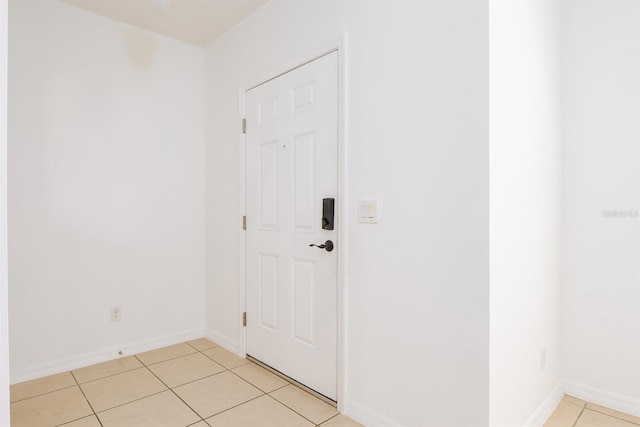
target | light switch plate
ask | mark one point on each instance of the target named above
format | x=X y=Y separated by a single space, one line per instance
x=368 y=211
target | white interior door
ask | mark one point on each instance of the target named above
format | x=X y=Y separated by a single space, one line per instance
x=291 y=166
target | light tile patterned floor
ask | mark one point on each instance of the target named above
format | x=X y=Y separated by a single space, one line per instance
x=195 y=384
x=574 y=412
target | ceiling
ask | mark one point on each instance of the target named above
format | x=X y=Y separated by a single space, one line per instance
x=198 y=22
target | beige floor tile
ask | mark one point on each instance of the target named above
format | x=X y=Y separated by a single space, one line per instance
x=91 y=421
x=101 y=370
x=50 y=409
x=565 y=415
x=162 y=409
x=202 y=344
x=123 y=388
x=200 y=424
x=40 y=386
x=225 y=357
x=305 y=404
x=613 y=413
x=217 y=393
x=261 y=412
x=165 y=353
x=591 y=418
x=185 y=369
x=574 y=400
x=341 y=421
x=260 y=377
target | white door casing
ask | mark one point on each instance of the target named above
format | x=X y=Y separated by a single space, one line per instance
x=291 y=164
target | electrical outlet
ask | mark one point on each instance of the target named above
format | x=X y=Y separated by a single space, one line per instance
x=543 y=358
x=116 y=313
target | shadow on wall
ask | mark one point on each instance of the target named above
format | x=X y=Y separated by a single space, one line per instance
x=141 y=48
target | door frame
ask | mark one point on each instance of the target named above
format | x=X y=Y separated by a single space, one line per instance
x=340 y=46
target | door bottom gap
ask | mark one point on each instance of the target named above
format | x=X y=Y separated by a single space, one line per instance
x=294 y=382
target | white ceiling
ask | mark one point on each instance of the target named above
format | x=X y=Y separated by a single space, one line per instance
x=198 y=22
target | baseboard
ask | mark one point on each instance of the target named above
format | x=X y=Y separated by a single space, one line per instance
x=367 y=416
x=223 y=341
x=540 y=416
x=602 y=397
x=102 y=355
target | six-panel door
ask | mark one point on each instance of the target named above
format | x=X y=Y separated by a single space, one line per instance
x=291 y=165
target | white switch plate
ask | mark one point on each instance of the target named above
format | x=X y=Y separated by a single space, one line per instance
x=368 y=211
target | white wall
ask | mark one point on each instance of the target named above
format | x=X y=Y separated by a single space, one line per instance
x=106 y=187
x=417 y=283
x=602 y=254
x=525 y=209
x=4 y=309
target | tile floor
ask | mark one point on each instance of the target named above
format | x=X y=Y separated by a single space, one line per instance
x=194 y=384
x=199 y=384
x=574 y=412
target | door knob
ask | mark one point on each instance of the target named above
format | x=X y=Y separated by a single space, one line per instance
x=327 y=246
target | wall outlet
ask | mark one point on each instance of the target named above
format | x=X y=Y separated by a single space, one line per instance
x=116 y=313
x=543 y=358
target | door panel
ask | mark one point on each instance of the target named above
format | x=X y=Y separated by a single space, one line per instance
x=291 y=165
x=268 y=290
x=303 y=147
x=268 y=182
x=303 y=307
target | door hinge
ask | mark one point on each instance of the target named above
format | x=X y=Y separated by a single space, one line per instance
x=244 y=319
x=244 y=125
x=244 y=222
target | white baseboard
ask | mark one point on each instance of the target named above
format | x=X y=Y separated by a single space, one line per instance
x=603 y=397
x=102 y=355
x=367 y=416
x=223 y=341
x=540 y=416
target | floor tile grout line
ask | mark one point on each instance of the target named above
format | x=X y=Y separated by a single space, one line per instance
x=235 y=406
x=283 y=403
x=239 y=404
x=280 y=388
x=166 y=360
x=117 y=373
x=234 y=367
x=44 y=394
x=209 y=376
x=264 y=393
x=268 y=393
x=204 y=349
x=140 y=361
x=143 y=365
x=176 y=394
x=254 y=385
x=111 y=375
x=78 y=419
x=585 y=406
x=579 y=415
x=198 y=379
x=326 y=421
x=293 y=410
x=189 y=382
x=172 y=389
x=612 y=416
x=126 y=403
x=85 y=397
